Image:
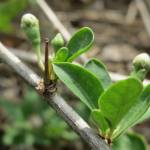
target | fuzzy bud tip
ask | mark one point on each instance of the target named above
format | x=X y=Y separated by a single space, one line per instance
x=142 y=61
x=29 y=20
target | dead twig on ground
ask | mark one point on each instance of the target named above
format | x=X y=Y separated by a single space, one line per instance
x=54 y=19
x=142 y=7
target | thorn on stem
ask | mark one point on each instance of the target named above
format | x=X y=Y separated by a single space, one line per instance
x=47 y=73
x=50 y=86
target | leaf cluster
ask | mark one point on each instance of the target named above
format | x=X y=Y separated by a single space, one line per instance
x=115 y=107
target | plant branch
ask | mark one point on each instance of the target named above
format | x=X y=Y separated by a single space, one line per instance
x=61 y=107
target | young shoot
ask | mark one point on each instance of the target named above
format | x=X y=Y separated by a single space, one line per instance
x=30 y=25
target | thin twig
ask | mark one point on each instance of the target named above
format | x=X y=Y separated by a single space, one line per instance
x=24 y=55
x=142 y=7
x=54 y=19
x=62 y=108
x=46 y=74
x=131 y=13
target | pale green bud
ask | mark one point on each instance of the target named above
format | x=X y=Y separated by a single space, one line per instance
x=30 y=25
x=142 y=61
x=141 y=66
x=57 y=42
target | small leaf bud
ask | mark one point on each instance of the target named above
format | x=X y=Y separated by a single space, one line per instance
x=30 y=25
x=57 y=42
x=142 y=61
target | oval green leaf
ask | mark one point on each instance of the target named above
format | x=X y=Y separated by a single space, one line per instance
x=130 y=141
x=80 y=81
x=61 y=55
x=98 y=68
x=80 y=42
x=145 y=116
x=136 y=112
x=117 y=100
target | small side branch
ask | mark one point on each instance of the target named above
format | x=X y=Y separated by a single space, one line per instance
x=61 y=107
x=54 y=19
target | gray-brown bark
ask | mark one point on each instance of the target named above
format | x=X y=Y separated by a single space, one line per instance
x=61 y=107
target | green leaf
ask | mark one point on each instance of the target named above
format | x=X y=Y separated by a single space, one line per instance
x=12 y=110
x=116 y=101
x=99 y=69
x=80 y=81
x=130 y=141
x=147 y=113
x=9 y=136
x=135 y=113
x=99 y=119
x=80 y=42
x=9 y=9
x=61 y=55
x=145 y=116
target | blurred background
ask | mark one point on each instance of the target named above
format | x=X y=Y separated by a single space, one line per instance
x=122 y=30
